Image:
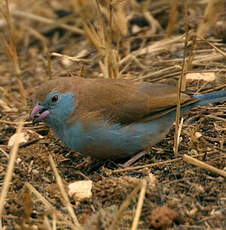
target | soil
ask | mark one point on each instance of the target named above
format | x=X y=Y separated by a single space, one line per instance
x=178 y=195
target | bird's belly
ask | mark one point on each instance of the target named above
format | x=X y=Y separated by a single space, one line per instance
x=106 y=140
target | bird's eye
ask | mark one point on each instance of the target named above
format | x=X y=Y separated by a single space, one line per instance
x=54 y=99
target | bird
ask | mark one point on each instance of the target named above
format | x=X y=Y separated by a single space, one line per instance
x=111 y=118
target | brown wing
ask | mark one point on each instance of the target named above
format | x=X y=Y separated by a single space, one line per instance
x=123 y=101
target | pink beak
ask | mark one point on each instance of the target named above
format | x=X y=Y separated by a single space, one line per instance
x=38 y=109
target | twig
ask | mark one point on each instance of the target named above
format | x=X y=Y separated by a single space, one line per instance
x=54 y=221
x=220 y=212
x=139 y=205
x=153 y=49
x=49 y=66
x=46 y=21
x=147 y=165
x=47 y=224
x=63 y=193
x=29 y=143
x=181 y=86
x=73 y=59
x=177 y=135
x=11 y=52
x=15 y=122
x=9 y=171
x=4 y=152
x=49 y=206
x=124 y=205
x=215 y=47
x=172 y=18
x=213 y=10
x=203 y=165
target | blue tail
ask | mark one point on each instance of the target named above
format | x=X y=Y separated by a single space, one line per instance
x=206 y=99
x=210 y=97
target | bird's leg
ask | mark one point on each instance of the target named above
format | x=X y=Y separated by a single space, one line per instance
x=85 y=163
x=136 y=157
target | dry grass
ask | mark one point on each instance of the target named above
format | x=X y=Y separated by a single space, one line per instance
x=139 y=40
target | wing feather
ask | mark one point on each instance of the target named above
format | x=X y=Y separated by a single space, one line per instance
x=117 y=100
x=123 y=101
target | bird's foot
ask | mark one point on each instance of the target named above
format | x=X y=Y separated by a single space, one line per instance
x=133 y=159
x=136 y=157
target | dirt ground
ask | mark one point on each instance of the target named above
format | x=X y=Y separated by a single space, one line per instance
x=139 y=40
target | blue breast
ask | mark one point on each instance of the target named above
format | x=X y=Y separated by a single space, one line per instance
x=106 y=140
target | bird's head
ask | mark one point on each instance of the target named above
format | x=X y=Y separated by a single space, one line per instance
x=52 y=105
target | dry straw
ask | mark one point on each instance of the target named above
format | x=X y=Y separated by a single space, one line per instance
x=123 y=206
x=52 y=209
x=104 y=23
x=212 y=12
x=9 y=171
x=10 y=50
x=139 y=205
x=203 y=165
x=63 y=193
